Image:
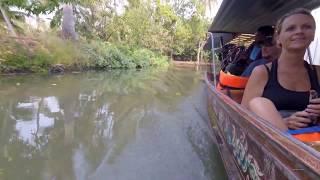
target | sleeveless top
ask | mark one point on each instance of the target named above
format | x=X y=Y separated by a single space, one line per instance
x=285 y=99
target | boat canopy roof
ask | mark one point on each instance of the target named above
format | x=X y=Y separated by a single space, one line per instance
x=245 y=16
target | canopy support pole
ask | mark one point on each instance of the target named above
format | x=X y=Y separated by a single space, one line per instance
x=213 y=59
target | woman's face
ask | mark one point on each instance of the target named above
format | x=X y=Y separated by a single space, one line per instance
x=297 y=32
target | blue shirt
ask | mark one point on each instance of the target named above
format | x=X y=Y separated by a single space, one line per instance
x=255 y=52
x=247 y=72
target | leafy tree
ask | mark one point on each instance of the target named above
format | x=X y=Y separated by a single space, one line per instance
x=33 y=6
x=169 y=27
x=4 y=4
x=191 y=28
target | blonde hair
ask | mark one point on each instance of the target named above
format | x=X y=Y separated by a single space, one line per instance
x=293 y=12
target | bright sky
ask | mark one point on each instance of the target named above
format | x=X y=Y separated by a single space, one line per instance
x=211 y=14
x=315 y=54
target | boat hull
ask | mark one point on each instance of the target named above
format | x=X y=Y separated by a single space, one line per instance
x=252 y=149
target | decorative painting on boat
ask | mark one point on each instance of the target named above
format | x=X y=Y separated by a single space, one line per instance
x=237 y=140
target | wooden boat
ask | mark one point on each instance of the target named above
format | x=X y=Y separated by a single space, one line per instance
x=250 y=147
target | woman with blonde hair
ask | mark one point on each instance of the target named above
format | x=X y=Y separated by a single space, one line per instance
x=279 y=92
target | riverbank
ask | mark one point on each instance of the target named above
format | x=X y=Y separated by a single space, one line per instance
x=51 y=54
x=189 y=63
x=60 y=68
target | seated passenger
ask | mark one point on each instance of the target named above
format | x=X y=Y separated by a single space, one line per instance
x=239 y=62
x=269 y=51
x=286 y=84
x=254 y=50
x=228 y=52
x=253 y=53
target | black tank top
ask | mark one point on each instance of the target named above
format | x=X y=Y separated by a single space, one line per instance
x=285 y=99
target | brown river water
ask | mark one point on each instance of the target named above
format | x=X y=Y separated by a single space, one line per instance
x=118 y=125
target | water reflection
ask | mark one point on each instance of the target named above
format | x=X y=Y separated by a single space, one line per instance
x=31 y=122
x=118 y=124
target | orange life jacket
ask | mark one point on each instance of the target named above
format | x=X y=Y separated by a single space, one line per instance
x=231 y=85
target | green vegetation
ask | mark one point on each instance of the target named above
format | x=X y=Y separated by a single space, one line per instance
x=39 y=55
x=94 y=34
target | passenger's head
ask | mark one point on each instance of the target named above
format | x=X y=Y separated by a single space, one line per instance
x=270 y=51
x=263 y=32
x=295 y=30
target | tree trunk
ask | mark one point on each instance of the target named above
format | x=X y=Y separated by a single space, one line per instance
x=198 y=52
x=7 y=20
x=68 y=23
x=201 y=56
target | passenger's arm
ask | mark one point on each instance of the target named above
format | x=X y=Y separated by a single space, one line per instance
x=314 y=106
x=311 y=114
x=255 y=85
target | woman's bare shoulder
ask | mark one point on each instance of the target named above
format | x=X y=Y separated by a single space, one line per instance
x=255 y=85
x=261 y=71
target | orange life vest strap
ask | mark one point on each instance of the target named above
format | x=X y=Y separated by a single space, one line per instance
x=233 y=81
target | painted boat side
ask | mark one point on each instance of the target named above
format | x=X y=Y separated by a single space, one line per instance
x=257 y=149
